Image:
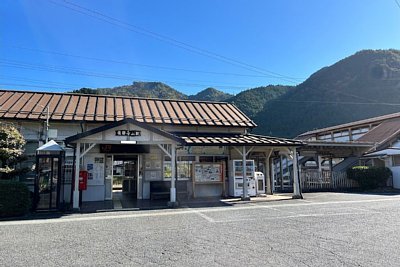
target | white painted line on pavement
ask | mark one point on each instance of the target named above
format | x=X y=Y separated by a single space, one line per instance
x=308 y=201
x=361 y=209
x=135 y=214
x=236 y=220
x=319 y=215
x=209 y=219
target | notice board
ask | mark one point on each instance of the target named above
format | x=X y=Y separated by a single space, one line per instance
x=207 y=172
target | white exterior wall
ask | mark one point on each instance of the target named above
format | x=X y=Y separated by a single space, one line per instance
x=396 y=176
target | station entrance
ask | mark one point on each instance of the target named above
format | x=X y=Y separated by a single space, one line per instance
x=122 y=176
x=125 y=174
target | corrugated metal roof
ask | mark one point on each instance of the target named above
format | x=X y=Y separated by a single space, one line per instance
x=352 y=124
x=382 y=132
x=228 y=139
x=78 y=107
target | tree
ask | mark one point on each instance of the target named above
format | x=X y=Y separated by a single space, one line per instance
x=11 y=151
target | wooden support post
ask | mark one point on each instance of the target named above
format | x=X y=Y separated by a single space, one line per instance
x=76 y=181
x=272 y=176
x=173 y=202
x=281 y=171
x=268 y=180
x=245 y=188
x=296 y=180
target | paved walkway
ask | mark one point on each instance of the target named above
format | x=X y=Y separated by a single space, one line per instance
x=128 y=202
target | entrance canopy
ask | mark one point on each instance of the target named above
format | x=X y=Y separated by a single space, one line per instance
x=130 y=131
x=127 y=131
x=335 y=149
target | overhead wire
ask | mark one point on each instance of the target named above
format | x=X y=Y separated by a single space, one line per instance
x=299 y=101
x=83 y=72
x=24 y=79
x=336 y=102
x=36 y=86
x=398 y=4
x=136 y=64
x=119 y=23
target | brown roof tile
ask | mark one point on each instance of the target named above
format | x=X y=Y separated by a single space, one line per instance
x=210 y=139
x=76 y=107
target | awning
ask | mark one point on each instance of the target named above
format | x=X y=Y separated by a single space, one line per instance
x=50 y=146
x=335 y=149
x=392 y=151
x=106 y=135
x=233 y=139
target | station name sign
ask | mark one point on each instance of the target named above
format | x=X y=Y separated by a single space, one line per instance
x=128 y=133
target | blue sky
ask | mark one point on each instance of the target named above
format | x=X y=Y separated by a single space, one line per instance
x=56 y=45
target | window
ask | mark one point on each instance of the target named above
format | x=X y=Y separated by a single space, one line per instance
x=360 y=130
x=183 y=167
x=396 y=160
x=342 y=136
x=357 y=133
x=167 y=168
x=325 y=137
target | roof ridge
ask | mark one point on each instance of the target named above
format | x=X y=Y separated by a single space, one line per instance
x=115 y=96
x=354 y=123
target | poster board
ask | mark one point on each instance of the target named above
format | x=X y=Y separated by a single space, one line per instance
x=94 y=164
x=208 y=172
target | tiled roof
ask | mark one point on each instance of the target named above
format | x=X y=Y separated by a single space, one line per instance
x=78 y=107
x=228 y=139
x=352 y=124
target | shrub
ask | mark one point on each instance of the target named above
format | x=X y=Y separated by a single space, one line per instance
x=15 y=199
x=369 y=177
x=11 y=151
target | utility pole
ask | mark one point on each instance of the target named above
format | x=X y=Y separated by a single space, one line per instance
x=47 y=116
x=47 y=123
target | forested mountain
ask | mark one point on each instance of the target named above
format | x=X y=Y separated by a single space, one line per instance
x=156 y=90
x=210 y=94
x=252 y=101
x=364 y=85
x=139 y=89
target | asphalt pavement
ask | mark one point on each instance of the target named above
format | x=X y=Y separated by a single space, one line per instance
x=323 y=229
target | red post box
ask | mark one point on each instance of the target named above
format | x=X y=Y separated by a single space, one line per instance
x=83 y=176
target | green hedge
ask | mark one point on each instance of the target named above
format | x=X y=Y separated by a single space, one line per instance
x=15 y=199
x=369 y=177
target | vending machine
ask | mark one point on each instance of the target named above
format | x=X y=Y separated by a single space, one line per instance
x=236 y=178
x=260 y=182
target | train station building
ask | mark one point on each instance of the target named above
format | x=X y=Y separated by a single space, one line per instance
x=141 y=147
